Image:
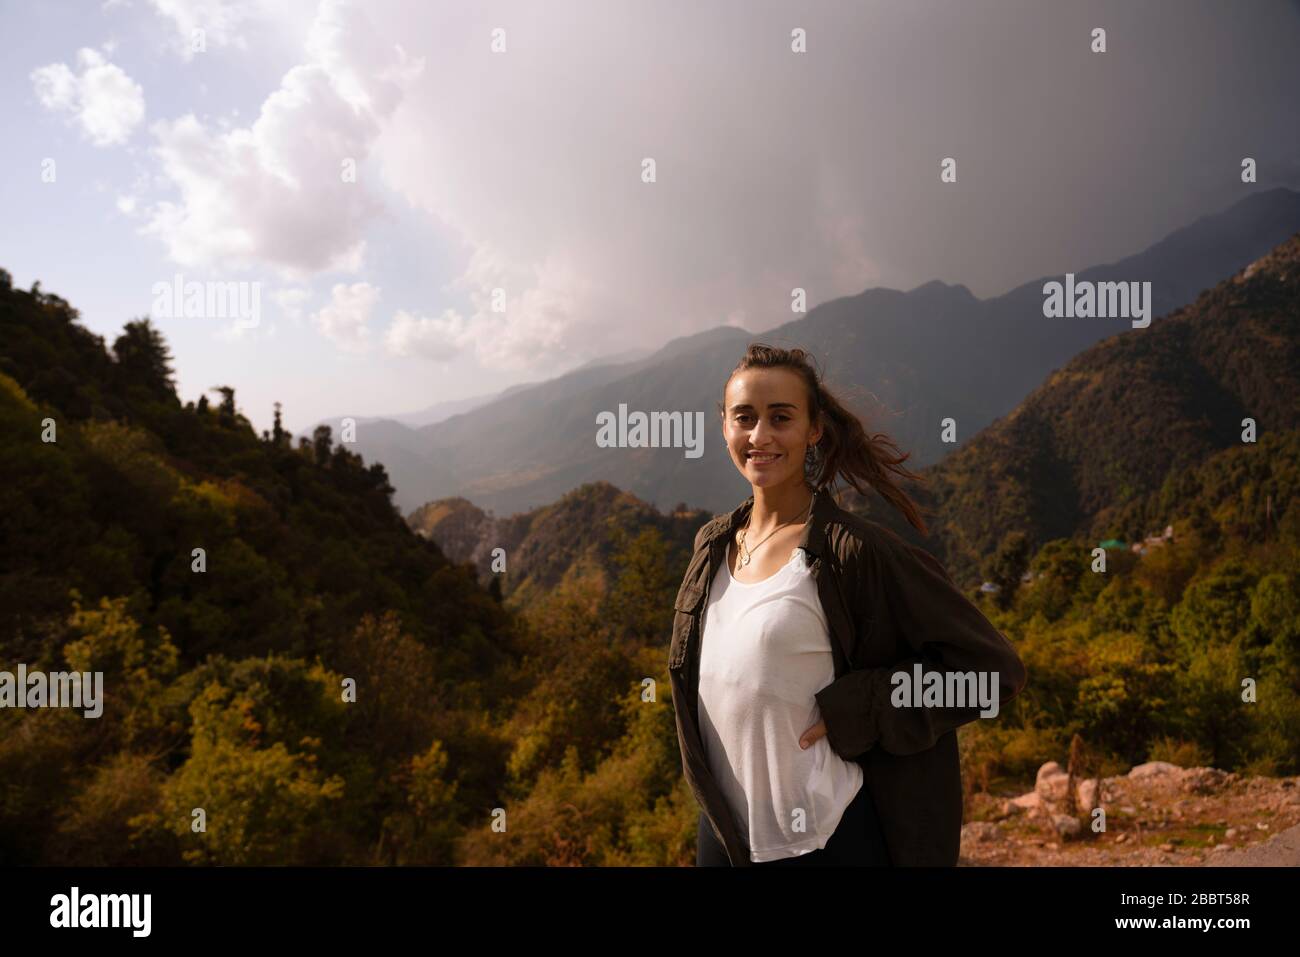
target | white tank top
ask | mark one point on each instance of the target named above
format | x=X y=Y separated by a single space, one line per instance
x=765 y=653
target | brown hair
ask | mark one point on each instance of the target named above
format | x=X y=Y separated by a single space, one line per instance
x=845 y=448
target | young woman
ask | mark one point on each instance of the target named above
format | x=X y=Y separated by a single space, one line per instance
x=792 y=621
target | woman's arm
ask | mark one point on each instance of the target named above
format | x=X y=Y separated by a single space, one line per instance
x=947 y=632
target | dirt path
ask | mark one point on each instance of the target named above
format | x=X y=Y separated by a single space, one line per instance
x=1280 y=850
x=1157 y=815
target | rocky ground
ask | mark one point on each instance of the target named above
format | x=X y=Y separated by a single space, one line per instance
x=1157 y=815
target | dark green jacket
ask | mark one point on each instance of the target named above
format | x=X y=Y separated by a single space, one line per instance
x=889 y=604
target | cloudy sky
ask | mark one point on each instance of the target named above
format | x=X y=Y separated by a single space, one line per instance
x=498 y=226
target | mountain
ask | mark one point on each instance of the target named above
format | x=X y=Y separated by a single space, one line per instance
x=540 y=545
x=618 y=358
x=140 y=479
x=387 y=443
x=274 y=642
x=907 y=359
x=1117 y=443
x=1104 y=444
x=225 y=680
x=426 y=416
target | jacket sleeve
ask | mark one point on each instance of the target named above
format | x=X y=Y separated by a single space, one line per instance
x=946 y=632
x=699 y=535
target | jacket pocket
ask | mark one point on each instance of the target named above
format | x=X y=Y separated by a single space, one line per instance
x=687 y=608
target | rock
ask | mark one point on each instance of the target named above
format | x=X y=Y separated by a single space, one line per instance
x=1050 y=769
x=1166 y=847
x=1203 y=780
x=1052 y=782
x=1230 y=832
x=1151 y=769
x=1066 y=826
x=1027 y=802
x=980 y=832
x=1129 y=809
x=1223 y=847
x=1008 y=808
x=1121 y=839
x=1086 y=794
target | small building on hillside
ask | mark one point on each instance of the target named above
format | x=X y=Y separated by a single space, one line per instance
x=1154 y=541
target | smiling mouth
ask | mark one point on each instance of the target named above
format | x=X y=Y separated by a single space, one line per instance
x=761 y=458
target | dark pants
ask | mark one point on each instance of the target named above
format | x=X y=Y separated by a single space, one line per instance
x=857 y=842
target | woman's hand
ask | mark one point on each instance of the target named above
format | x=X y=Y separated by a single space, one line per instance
x=810 y=736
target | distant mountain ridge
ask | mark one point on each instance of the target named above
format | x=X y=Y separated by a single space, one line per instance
x=1134 y=433
x=540 y=545
x=906 y=359
x=1100 y=446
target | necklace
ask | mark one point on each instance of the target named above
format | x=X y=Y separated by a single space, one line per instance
x=746 y=553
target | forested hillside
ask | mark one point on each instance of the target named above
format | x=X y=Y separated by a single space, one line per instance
x=1102 y=447
x=224 y=685
x=582 y=530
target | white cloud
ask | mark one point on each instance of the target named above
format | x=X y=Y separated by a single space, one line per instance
x=219 y=20
x=274 y=192
x=291 y=301
x=238 y=331
x=345 y=321
x=440 y=339
x=102 y=99
x=545 y=316
x=539 y=172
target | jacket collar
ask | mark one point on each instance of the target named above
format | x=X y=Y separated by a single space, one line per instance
x=814 y=532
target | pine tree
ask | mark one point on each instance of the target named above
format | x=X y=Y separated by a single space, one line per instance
x=143 y=358
x=322 y=440
x=227 y=406
x=279 y=437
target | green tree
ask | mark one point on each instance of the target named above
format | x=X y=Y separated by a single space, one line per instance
x=425 y=829
x=1275 y=609
x=1059 y=568
x=261 y=805
x=1009 y=562
x=642 y=595
x=227 y=407
x=144 y=360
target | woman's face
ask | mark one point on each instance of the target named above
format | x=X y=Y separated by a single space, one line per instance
x=766 y=410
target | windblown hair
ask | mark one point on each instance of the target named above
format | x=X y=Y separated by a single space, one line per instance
x=845 y=449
